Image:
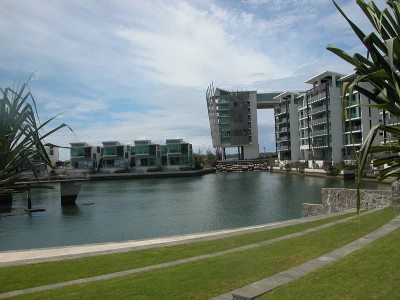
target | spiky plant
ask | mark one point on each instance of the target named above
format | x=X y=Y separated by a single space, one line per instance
x=20 y=137
x=380 y=67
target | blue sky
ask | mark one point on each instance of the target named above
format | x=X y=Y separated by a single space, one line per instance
x=128 y=70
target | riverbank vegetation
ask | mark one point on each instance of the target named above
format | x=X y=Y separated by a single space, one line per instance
x=193 y=280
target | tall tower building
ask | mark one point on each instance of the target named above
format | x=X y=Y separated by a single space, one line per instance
x=233 y=121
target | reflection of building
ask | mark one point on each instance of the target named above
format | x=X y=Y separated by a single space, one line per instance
x=145 y=155
x=115 y=155
x=287 y=127
x=85 y=156
x=233 y=121
x=359 y=118
x=178 y=154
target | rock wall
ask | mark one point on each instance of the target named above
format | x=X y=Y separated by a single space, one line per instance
x=339 y=199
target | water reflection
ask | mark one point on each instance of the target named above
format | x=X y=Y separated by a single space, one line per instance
x=139 y=209
x=70 y=210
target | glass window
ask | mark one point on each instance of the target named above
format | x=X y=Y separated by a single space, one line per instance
x=110 y=150
x=142 y=149
x=174 y=148
x=77 y=152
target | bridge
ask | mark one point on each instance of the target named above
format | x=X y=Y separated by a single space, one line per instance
x=266 y=100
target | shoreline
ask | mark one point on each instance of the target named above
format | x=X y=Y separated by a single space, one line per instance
x=169 y=174
x=24 y=256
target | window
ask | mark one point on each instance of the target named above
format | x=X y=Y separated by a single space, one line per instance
x=77 y=152
x=110 y=151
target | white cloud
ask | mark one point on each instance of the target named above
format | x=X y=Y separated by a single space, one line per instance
x=190 y=47
x=139 y=69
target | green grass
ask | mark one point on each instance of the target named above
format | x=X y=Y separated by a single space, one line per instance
x=370 y=273
x=209 y=277
x=17 y=277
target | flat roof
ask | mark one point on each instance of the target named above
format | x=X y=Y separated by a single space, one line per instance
x=288 y=93
x=323 y=75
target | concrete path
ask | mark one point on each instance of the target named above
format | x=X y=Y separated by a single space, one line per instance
x=178 y=262
x=259 y=288
x=18 y=257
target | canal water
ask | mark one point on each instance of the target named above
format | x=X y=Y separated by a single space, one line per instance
x=108 y=211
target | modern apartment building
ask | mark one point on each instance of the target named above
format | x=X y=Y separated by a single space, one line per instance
x=287 y=126
x=320 y=123
x=140 y=157
x=84 y=156
x=115 y=155
x=177 y=154
x=233 y=121
x=358 y=119
x=145 y=155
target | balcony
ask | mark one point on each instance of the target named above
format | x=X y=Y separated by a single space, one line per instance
x=317 y=98
x=353 y=128
x=319 y=109
x=282 y=148
x=318 y=121
x=283 y=120
x=280 y=111
x=281 y=129
x=319 y=132
x=355 y=115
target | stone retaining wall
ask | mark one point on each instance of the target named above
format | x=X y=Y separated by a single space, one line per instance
x=339 y=199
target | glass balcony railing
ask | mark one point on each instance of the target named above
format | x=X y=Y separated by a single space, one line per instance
x=318 y=121
x=319 y=132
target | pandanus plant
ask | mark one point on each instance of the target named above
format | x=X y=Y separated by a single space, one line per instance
x=380 y=67
x=21 y=137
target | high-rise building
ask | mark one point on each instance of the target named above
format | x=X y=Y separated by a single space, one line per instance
x=287 y=126
x=320 y=124
x=233 y=119
x=358 y=118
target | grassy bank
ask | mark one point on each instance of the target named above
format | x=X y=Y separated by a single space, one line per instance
x=200 y=279
x=17 y=277
x=371 y=273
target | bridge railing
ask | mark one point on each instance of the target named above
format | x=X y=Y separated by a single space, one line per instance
x=56 y=178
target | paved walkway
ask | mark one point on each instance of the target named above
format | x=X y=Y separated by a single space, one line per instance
x=18 y=257
x=247 y=292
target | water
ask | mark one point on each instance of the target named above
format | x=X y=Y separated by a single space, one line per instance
x=123 y=210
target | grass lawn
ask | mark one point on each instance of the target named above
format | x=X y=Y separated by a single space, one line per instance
x=19 y=277
x=370 y=273
x=210 y=277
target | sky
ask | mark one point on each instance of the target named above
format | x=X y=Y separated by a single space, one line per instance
x=128 y=70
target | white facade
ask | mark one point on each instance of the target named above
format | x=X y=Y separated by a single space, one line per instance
x=178 y=153
x=84 y=157
x=115 y=156
x=359 y=118
x=287 y=127
x=320 y=124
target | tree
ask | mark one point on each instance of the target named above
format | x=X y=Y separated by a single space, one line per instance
x=20 y=137
x=380 y=67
